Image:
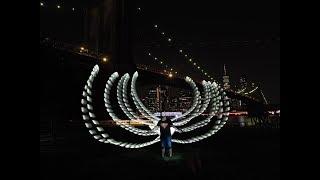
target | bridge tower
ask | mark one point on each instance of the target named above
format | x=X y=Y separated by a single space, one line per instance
x=108 y=29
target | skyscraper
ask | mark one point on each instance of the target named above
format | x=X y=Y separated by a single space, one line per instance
x=243 y=82
x=225 y=77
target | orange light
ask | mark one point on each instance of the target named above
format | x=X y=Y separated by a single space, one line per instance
x=104 y=59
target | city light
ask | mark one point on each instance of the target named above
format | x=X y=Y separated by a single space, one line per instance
x=190 y=60
x=155 y=26
x=170 y=75
x=139 y=9
x=162 y=33
x=58 y=6
x=169 y=39
x=181 y=50
x=41 y=4
x=72 y=9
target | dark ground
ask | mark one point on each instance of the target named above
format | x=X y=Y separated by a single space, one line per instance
x=230 y=154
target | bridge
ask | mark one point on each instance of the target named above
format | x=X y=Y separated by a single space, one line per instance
x=247 y=94
x=108 y=28
x=107 y=41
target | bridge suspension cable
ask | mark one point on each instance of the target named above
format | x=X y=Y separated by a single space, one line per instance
x=253 y=90
x=264 y=98
x=168 y=69
x=188 y=57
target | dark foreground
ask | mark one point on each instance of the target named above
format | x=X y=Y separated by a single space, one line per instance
x=230 y=154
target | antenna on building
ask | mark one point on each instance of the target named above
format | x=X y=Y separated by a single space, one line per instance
x=225 y=78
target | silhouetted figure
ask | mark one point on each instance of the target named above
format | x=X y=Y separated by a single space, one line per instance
x=165 y=135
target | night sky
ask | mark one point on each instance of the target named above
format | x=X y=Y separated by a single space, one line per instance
x=244 y=35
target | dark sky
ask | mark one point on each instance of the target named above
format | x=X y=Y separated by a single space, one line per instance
x=244 y=35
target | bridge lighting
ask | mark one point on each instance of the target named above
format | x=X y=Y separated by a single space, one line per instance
x=149 y=54
x=155 y=26
x=105 y=59
x=194 y=64
x=169 y=39
x=170 y=75
x=41 y=4
x=190 y=60
x=155 y=58
x=161 y=62
x=162 y=33
x=139 y=9
x=72 y=9
x=180 y=50
x=186 y=55
x=177 y=73
x=198 y=67
x=58 y=6
x=205 y=73
x=171 y=69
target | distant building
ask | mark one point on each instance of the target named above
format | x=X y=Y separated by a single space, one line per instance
x=184 y=100
x=159 y=98
x=243 y=82
x=151 y=100
x=226 y=81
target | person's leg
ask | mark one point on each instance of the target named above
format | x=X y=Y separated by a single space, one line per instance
x=169 y=144
x=163 y=150
x=170 y=152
